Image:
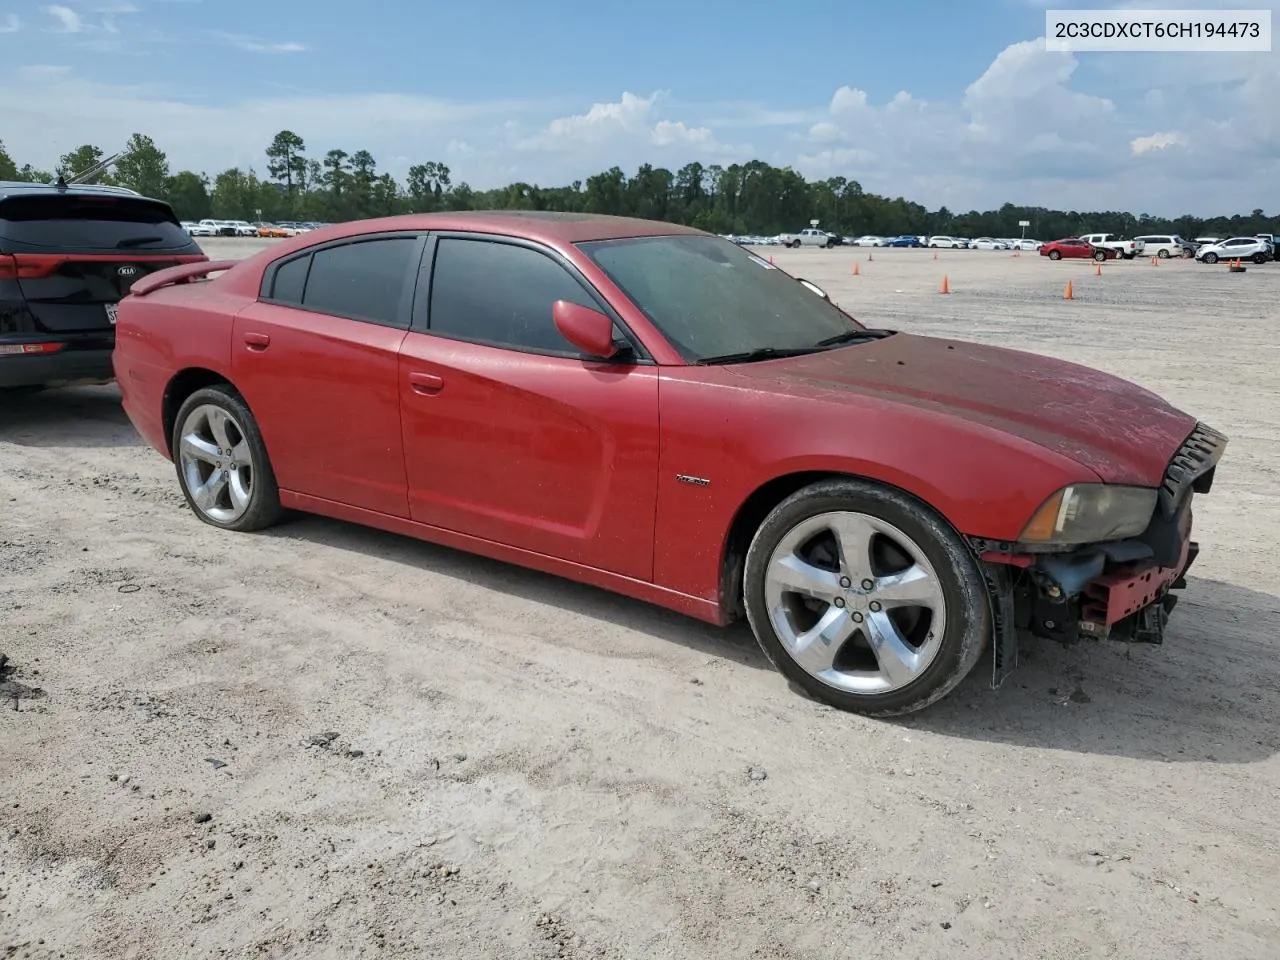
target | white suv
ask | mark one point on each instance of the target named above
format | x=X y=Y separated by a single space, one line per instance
x=1164 y=246
x=1237 y=248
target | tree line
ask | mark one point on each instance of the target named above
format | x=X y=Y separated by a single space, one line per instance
x=747 y=198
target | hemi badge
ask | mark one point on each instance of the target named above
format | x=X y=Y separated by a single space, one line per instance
x=696 y=481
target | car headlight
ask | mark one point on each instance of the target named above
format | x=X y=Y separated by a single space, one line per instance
x=1091 y=513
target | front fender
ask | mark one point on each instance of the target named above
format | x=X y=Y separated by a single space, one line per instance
x=984 y=482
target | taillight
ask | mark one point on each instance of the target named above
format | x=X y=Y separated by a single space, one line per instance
x=20 y=266
x=11 y=349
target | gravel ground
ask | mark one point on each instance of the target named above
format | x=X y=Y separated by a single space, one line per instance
x=326 y=741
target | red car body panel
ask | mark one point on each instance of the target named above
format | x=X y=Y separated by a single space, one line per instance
x=343 y=442
x=627 y=477
x=547 y=454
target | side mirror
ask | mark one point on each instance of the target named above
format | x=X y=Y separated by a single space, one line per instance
x=814 y=287
x=588 y=330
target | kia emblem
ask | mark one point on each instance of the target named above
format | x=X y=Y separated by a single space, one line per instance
x=128 y=270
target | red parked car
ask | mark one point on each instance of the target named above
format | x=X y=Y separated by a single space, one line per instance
x=659 y=412
x=1075 y=248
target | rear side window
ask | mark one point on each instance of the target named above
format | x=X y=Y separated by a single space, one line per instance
x=363 y=280
x=290 y=280
x=58 y=223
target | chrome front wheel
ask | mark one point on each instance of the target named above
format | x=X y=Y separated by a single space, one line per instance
x=855 y=602
x=865 y=598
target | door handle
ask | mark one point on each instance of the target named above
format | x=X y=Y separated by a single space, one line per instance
x=257 y=341
x=426 y=383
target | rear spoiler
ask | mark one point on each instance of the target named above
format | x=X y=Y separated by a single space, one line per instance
x=182 y=273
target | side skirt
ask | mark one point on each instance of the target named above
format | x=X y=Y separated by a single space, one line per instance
x=696 y=607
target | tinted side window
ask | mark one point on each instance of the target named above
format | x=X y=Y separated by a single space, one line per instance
x=364 y=279
x=290 y=280
x=501 y=294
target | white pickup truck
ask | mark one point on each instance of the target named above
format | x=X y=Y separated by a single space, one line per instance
x=809 y=237
x=1123 y=248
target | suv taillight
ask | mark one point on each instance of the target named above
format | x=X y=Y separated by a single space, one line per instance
x=20 y=266
x=15 y=349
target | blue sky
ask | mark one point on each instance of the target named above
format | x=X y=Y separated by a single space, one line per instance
x=944 y=101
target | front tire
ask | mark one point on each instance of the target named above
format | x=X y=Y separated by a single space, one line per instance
x=1055 y=255
x=222 y=463
x=868 y=600
x=1211 y=258
x=1099 y=256
x=1259 y=258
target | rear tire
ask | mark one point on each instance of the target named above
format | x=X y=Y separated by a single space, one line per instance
x=1100 y=256
x=1163 y=254
x=222 y=463
x=865 y=598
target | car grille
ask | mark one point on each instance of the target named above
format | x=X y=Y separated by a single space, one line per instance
x=1191 y=467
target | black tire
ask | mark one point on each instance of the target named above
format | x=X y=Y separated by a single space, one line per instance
x=1259 y=258
x=1055 y=255
x=1163 y=254
x=968 y=618
x=1210 y=258
x=264 y=508
x=1100 y=256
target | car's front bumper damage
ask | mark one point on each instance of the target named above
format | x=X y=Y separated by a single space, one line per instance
x=1121 y=591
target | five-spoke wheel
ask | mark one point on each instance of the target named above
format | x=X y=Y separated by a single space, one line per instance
x=222 y=462
x=865 y=597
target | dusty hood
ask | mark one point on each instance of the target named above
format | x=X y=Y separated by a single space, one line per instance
x=1122 y=432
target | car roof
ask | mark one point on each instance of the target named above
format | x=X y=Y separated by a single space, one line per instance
x=18 y=188
x=544 y=225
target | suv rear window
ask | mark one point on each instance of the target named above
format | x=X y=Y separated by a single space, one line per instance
x=60 y=222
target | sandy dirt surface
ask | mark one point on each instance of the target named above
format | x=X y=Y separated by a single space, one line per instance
x=326 y=741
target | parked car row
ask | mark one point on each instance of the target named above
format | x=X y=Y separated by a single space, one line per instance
x=1090 y=246
x=243 y=228
x=1095 y=246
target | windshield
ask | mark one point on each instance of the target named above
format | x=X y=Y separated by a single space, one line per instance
x=710 y=298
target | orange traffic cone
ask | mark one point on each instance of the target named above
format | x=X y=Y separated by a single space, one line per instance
x=1097 y=269
x=935 y=254
x=771 y=258
x=946 y=287
x=870 y=258
x=1155 y=261
x=1067 y=294
x=856 y=272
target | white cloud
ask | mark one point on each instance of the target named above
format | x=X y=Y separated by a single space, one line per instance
x=67 y=19
x=1028 y=130
x=51 y=110
x=256 y=45
x=628 y=132
x=1156 y=141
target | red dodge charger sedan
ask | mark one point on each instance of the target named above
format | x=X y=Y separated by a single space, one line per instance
x=659 y=412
